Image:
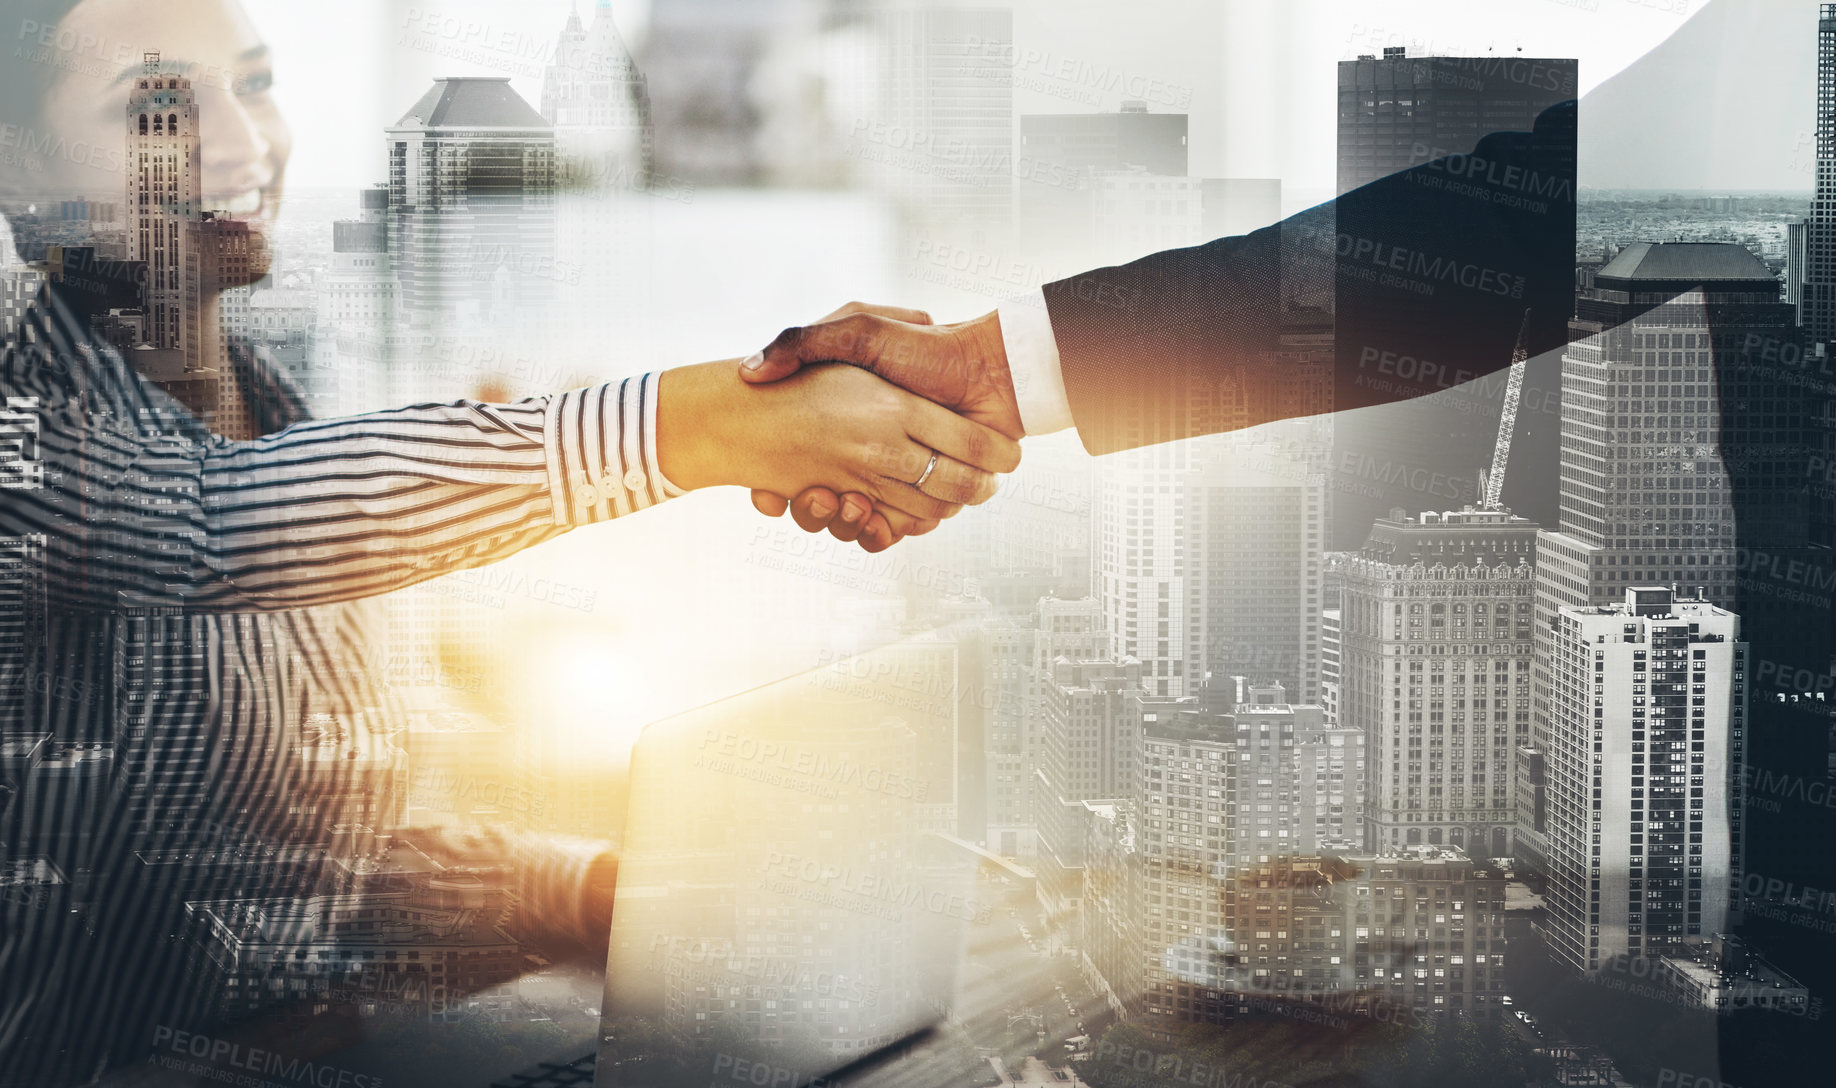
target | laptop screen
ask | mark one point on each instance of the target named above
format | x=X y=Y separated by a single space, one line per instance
x=793 y=901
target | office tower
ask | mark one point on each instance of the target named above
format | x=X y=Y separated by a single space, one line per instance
x=1423 y=928
x=1438 y=647
x=471 y=206
x=1065 y=167
x=356 y=304
x=1208 y=558
x=1136 y=212
x=1088 y=751
x=1399 y=111
x=1396 y=112
x=1643 y=392
x=223 y=252
x=1332 y=622
x=22 y=624
x=596 y=99
x=599 y=105
x=1645 y=755
x=1797 y=266
x=164 y=196
x=1255 y=512
x=1817 y=306
x=1668 y=412
x=1150 y=601
x=198 y=263
x=940 y=140
x=1188 y=803
x=1008 y=649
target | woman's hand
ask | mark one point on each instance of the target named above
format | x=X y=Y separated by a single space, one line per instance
x=835 y=427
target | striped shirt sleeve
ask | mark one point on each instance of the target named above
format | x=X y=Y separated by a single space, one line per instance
x=327 y=510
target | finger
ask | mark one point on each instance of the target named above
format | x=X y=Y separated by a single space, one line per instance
x=902 y=523
x=953 y=481
x=946 y=478
x=770 y=505
x=878 y=534
x=855 y=510
x=857 y=339
x=814 y=508
x=897 y=313
x=966 y=440
x=913 y=501
x=878 y=538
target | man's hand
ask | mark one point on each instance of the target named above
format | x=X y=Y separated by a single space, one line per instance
x=962 y=367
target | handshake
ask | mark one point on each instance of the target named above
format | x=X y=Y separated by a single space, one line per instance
x=915 y=425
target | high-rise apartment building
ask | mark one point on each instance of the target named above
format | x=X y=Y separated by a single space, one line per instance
x=1088 y=751
x=1644 y=761
x=1438 y=645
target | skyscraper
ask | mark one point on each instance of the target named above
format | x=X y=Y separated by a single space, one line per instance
x=1817 y=304
x=1645 y=753
x=471 y=205
x=1399 y=111
x=1396 y=112
x=356 y=300
x=942 y=139
x=22 y=623
x=1089 y=750
x=596 y=99
x=163 y=197
x=1437 y=658
x=599 y=105
x=1670 y=409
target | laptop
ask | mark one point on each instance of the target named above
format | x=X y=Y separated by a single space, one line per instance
x=794 y=906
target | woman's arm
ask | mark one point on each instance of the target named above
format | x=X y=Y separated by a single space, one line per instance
x=335 y=510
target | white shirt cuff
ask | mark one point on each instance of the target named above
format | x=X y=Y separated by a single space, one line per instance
x=602 y=451
x=1033 y=364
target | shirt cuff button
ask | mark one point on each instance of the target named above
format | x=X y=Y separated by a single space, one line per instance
x=634 y=480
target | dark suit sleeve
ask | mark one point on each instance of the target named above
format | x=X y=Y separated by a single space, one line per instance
x=1423 y=279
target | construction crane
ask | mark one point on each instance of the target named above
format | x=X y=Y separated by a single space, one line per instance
x=1507 y=419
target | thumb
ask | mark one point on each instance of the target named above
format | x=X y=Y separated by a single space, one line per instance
x=762 y=367
x=854 y=338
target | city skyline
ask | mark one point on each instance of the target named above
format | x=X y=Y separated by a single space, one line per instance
x=1192 y=736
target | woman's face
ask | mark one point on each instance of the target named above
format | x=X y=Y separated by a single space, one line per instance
x=98 y=51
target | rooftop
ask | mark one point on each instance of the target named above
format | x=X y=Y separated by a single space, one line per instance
x=472 y=102
x=1688 y=262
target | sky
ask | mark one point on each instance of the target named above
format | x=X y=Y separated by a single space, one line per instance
x=1255 y=76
